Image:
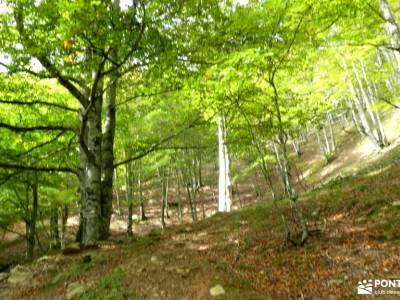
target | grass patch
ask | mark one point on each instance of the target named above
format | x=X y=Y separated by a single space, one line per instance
x=71 y=274
x=109 y=287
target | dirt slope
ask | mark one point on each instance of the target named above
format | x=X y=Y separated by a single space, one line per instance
x=245 y=252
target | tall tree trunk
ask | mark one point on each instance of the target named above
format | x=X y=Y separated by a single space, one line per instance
x=261 y=151
x=282 y=137
x=179 y=184
x=354 y=116
x=91 y=207
x=373 y=114
x=82 y=177
x=54 y=232
x=140 y=191
x=392 y=26
x=327 y=143
x=192 y=203
x=108 y=150
x=163 y=173
x=364 y=125
x=32 y=219
x=64 y=219
x=279 y=166
x=366 y=103
x=119 y=208
x=296 y=147
x=224 y=184
x=331 y=132
x=129 y=193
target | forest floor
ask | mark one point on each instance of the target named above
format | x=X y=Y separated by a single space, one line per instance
x=352 y=206
x=357 y=236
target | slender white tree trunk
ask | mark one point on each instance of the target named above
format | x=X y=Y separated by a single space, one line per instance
x=364 y=125
x=392 y=27
x=374 y=114
x=224 y=184
x=331 y=132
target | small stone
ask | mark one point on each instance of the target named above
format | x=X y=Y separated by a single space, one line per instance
x=396 y=203
x=154 y=260
x=4 y=276
x=182 y=271
x=75 y=290
x=217 y=290
x=20 y=275
x=43 y=258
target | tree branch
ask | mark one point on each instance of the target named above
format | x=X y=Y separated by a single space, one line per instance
x=175 y=89
x=36 y=128
x=38 y=102
x=156 y=146
x=48 y=142
x=14 y=166
x=44 y=60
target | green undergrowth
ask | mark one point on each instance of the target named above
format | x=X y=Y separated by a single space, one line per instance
x=110 y=287
x=71 y=273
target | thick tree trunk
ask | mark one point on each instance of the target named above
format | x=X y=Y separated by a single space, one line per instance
x=224 y=183
x=108 y=155
x=91 y=206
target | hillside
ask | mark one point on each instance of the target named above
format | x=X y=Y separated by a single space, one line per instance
x=356 y=236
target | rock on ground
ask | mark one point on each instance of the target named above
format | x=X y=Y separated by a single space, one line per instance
x=217 y=290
